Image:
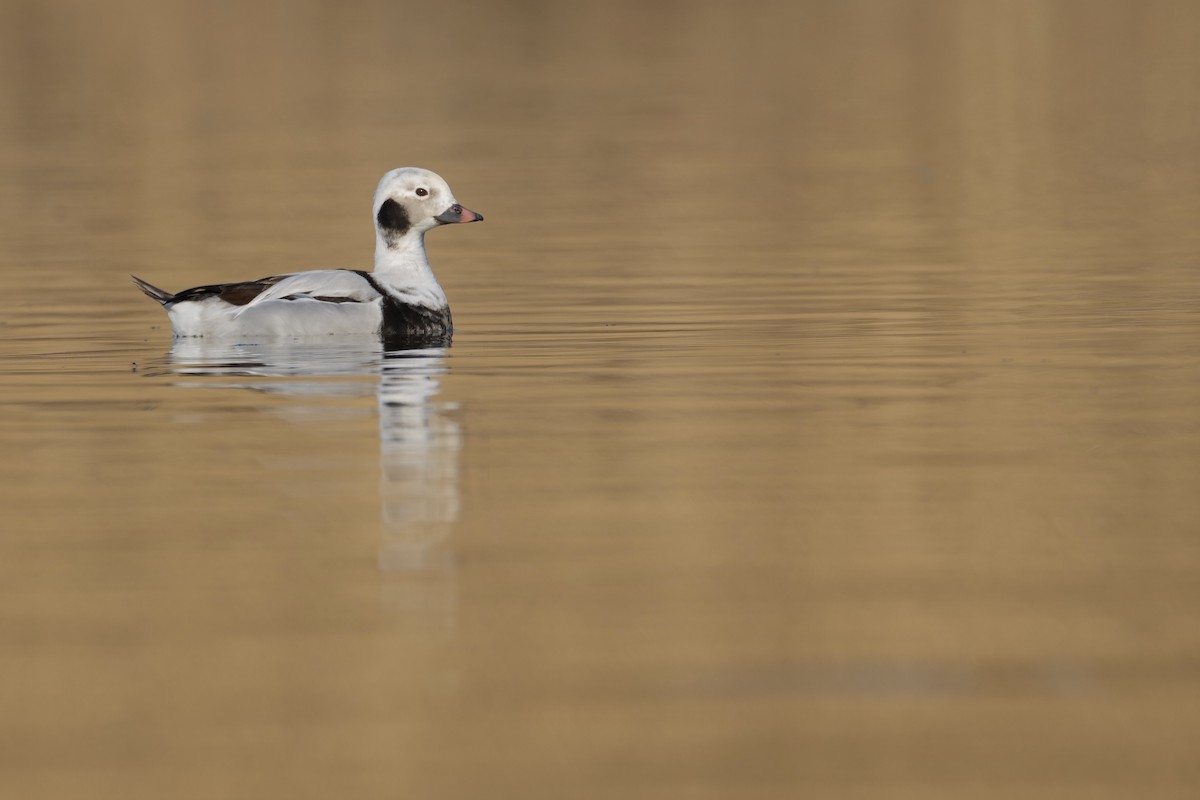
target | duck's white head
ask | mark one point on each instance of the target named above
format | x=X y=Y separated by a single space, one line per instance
x=411 y=200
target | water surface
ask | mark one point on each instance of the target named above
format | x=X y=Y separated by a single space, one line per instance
x=821 y=418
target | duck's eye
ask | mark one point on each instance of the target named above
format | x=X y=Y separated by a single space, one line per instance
x=422 y=192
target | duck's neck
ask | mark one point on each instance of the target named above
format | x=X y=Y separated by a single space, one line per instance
x=402 y=265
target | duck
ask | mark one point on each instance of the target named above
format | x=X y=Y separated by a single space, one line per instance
x=400 y=298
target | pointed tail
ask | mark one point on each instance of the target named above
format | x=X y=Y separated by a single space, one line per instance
x=152 y=291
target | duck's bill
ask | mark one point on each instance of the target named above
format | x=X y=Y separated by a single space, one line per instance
x=457 y=213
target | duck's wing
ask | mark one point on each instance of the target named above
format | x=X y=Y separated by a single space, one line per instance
x=327 y=285
x=236 y=294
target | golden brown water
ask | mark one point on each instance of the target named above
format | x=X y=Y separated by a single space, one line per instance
x=822 y=419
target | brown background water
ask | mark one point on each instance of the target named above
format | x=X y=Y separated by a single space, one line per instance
x=822 y=418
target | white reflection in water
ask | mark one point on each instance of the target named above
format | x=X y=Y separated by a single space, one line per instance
x=419 y=445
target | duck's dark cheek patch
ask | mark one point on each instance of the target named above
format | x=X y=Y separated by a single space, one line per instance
x=393 y=220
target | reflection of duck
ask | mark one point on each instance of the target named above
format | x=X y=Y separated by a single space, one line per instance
x=401 y=298
x=419 y=446
x=418 y=486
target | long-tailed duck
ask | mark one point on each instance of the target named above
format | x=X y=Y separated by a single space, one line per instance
x=400 y=299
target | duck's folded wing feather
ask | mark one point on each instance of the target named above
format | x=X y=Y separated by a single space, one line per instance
x=329 y=285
